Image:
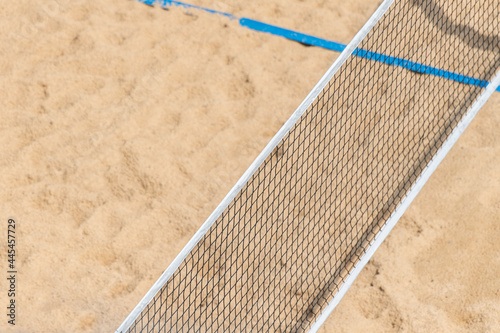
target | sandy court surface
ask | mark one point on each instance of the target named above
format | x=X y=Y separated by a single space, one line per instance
x=123 y=126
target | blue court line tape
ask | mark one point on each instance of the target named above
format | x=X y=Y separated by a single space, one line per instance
x=329 y=45
x=399 y=62
x=293 y=35
x=170 y=3
x=419 y=68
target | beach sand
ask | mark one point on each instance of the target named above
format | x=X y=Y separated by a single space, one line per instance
x=123 y=126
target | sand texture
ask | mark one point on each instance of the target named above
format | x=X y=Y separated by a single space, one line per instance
x=122 y=127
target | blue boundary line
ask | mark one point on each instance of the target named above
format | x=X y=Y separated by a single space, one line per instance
x=170 y=3
x=290 y=34
x=330 y=45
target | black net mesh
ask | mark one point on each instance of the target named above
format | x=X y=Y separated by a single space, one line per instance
x=283 y=247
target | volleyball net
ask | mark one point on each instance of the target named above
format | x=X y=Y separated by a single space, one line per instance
x=286 y=243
